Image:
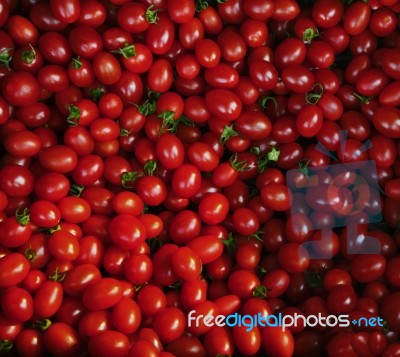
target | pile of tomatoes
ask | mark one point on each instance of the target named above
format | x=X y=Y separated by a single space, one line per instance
x=145 y=147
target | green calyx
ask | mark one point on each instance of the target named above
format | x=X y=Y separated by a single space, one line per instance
x=28 y=56
x=42 y=324
x=309 y=34
x=150 y=167
x=260 y=292
x=152 y=15
x=265 y=100
x=22 y=217
x=127 y=51
x=6 y=345
x=227 y=133
x=30 y=254
x=314 y=95
x=97 y=93
x=271 y=157
x=57 y=276
x=74 y=115
x=76 y=190
x=76 y=63
x=239 y=166
x=128 y=178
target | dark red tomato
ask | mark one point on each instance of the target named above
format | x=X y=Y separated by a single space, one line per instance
x=160 y=36
x=66 y=10
x=9 y=330
x=92 y=13
x=79 y=278
x=277 y=342
x=51 y=186
x=170 y=151
x=74 y=209
x=356 y=18
x=320 y=54
x=208 y=248
x=90 y=251
x=297 y=78
x=263 y=74
x=309 y=121
x=253 y=125
x=17 y=304
x=54 y=48
x=62 y=340
x=219 y=340
x=247 y=342
x=42 y=17
x=259 y=9
x=44 y=214
x=186 y=264
x=221 y=76
x=135 y=18
x=276 y=196
x=88 y=170
x=383 y=22
x=290 y=51
x=127 y=231
x=293 y=258
x=30 y=343
x=102 y=294
x=169 y=324
x=126 y=202
x=211 y=20
x=109 y=343
x=4 y=12
x=383 y=151
x=93 y=322
x=63 y=245
x=202 y=156
x=126 y=316
x=34 y=116
x=181 y=11
x=85 y=42
x=245 y=221
x=285 y=10
x=213 y=208
x=151 y=190
x=327 y=14
x=368 y=267
x=22 y=31
x=80 y=72
x=389 y=96
x=58 y=158
x=254 y=32
x=20 y=89
x=242 y=283
x=387 y=121
x=232 y=46
x=48 y=299
x=186 y=181
x=16 y=181
x=371 y=82
x=389 y=64
x=160 y=76
x=224 y=104
x=129 y=88
x=106 y=68
x=207 y=53
x=14 y=269
x=138 y=269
